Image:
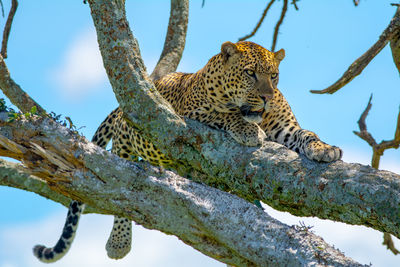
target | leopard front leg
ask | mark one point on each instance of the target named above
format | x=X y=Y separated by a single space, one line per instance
x=248 y=134
x=309 y=144
x=245 y=133
x=320 y=151
x=281 y=126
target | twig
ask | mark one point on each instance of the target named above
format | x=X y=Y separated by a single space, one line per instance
x=358 y=66
x=278 y=24
x=7 y=27
x=388 y=242
x=15 y=93
x=2 y=8
x=356 y=2
x=175 y=39
x=294 y=3
x=259 y=22
x=378 y=150
x=364 y=134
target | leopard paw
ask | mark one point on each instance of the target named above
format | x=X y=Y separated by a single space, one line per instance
x=119 y=242
x=252 y=135
x=319 y=151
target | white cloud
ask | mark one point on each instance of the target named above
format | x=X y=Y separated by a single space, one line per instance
x=81 y=68
x=150 y=248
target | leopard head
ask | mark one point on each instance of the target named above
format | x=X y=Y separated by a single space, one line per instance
x=248 y=77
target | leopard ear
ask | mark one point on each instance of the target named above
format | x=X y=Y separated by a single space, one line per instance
x=279 y=55
x=228 y=50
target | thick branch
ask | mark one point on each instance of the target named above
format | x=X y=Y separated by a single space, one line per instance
x=350 y=193
x=14 y=92
x=175 y=39
x=358 y=66
x=207 y=219
x=17 y=176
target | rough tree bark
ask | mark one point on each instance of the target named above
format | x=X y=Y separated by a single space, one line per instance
x=218 y=224
x=209 y=220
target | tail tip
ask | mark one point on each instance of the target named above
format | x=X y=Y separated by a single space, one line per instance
x=43 y=254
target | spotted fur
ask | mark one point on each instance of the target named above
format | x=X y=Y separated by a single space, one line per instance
x=236 y=91
x=68 y=234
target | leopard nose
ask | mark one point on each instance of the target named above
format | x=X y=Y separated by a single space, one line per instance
x=265 y=98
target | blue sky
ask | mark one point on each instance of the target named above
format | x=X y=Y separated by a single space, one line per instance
x=54 y=56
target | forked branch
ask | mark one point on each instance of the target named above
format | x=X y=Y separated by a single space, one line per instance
x=377 y=152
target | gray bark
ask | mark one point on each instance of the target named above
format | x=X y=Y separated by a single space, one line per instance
x=214 y=222
x=205 y=218
x=175 y=39
x=350 y=193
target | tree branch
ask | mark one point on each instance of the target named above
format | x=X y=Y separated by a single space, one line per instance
x=350 y=193
x=18 y=176
x=175 y=39
x=378 y=150
x=7 y=27
x=278 y=25
x=14 y=92
x=207 y=219
x=75 y=168
x=395 y=47
x=260 y=21
x=358 y=66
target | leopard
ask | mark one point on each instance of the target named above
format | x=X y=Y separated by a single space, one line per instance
x=236 y=92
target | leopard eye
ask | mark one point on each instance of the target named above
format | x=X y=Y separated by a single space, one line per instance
x=274 y=75
x=250 y=72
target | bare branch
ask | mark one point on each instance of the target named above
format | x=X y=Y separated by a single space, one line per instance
x=364 y=134
x=294 y=3
x=358 y=66
x=7 y=27
x=388 y=242
x=259 y=22
x=356 y=2
x=14 y=92
x=278 y=24
x=378 y=150
x=2 y=8
x=208 y=219
x=175 y=39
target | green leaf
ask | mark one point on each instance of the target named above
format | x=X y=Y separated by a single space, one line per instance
x=34 y=110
